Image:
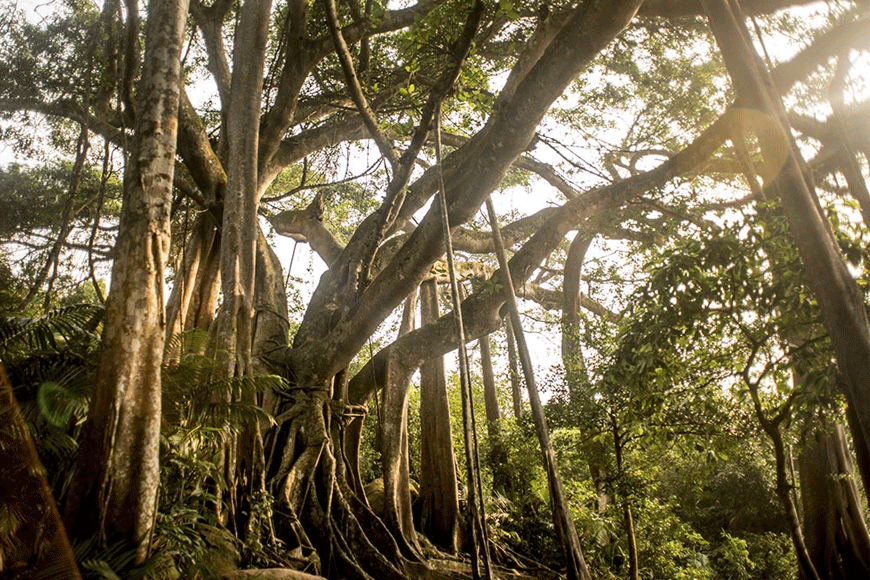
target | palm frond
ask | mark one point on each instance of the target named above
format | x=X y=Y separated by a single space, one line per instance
x=59 y=404
x=194 y=396
x=67 y=326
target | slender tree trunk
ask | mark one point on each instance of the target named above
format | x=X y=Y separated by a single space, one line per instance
x=847 y=159
x=840 y=299
x=562 y=520
x=439 y=496
x=783 y=490
x=862 y=453
x=490 y=392
x=498 y=452
x=193 y=300
x=64 y=230
x=572 y=355
x=575 y=367
x=627 y=517
x=114 y=492
x=513 y=368
x=633 y=560
x=394 y=453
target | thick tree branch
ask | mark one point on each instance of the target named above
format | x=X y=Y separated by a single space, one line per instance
x=481 y=309
x=307 y=226
x=298 y=62
x=834 y=41
x=294 y=149
x=210 y=22
x=388 y=21
x=195 y=149
x=484 y=160
x=543 y=170
x=302 y=54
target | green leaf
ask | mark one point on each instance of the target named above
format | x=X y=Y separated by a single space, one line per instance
x=58 y=405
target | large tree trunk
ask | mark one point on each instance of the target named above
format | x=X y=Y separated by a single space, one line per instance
x=835 y=532
x=321 y=513
x=343 y=313
x=240 y=227
x=114 y=492
x=239 y=232
x=439 y=497
x=840 y=299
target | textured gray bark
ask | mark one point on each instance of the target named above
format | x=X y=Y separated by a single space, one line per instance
x=243 y=461
x=240 y=227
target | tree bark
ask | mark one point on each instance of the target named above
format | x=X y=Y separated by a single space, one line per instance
x=394 y=451
x=784 y=492
x=475 y=170
x=193 y=300
x=835 y=532
x=627 y=517
x=439 y=496
x=513 y=369
x=498 y=450
x=239 y=225
x=490 y=392
x=239 y=231
x=572 y=355
x=114 y=491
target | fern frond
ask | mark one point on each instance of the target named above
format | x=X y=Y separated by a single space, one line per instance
x=66 y=326
x=59 y=405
